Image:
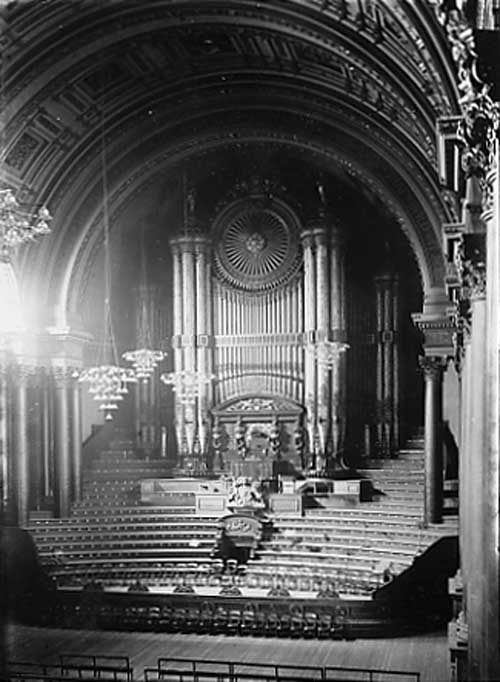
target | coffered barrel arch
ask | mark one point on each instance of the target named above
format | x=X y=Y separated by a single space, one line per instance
x=333 y=68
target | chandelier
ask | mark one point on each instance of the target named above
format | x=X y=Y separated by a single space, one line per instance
x=108 y=385
x=327 y=353
x=19 y=226
x=144 y=359
x=187 y=384
x=107 y=380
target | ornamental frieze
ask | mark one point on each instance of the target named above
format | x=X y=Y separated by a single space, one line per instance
x=258 y=404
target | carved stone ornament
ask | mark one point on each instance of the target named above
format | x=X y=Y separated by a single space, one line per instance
x=461 y=318
x=433 y=367
x=478 y=131
x=257 y=247
x=257 y=404
x=479 y=126
x=471 y=265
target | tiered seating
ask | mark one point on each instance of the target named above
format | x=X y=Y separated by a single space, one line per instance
x=352 y=546
x=112 y=539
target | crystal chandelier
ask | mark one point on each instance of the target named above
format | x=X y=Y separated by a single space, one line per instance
x=107 y=380
x=144 y=359
x=327 y=353
x=19 y=226
x=187 y=384
x=108 y=385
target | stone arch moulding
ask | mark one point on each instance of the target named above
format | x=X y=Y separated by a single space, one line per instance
x=415 y=221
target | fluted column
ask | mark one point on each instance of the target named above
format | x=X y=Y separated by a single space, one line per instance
x=309 y=333
x=36 y=438
x=337 y=333
x=490 y=664
x=322 y=332
x=203 y=297
x=189 y=330
x=433 y=368
x=76 y=440
x=47 y=423
x=176 y=341
x=20 y=445
x=62 y=441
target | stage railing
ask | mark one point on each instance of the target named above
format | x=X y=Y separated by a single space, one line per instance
x=192 y=670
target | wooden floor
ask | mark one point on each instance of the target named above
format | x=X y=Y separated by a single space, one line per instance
x=426 y=653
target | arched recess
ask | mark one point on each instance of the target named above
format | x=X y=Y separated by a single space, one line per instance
x=58 y=270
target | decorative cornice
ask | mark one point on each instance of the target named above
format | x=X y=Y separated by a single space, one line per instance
x=438 y=333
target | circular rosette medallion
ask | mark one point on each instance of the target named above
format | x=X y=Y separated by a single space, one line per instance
x=256 y=245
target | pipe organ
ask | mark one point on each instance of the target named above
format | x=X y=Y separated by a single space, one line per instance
x=149 y=329
x=258 y=343
x=253 y=300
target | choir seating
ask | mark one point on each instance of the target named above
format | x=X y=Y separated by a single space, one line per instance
x=112 y=541
x=351 y=546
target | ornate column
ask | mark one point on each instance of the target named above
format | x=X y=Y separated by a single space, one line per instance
x=188 y=329
x=309 y=333
x=76 y=440
x=176 y=340
x=62 y=441
x=337 y=333
x=479 y=267
x=322 y=333
x=47 y=423
x=36 y=438
x=433 y=368
x=20 y=444
x=203 y=297
x=490 y=663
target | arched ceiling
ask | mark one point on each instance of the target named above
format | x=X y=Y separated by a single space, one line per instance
x=355 y=86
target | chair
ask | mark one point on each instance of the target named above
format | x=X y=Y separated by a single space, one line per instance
x=325 y=626
x=296 y=621
x=206 y=617
x=233 y=622
x=271 y=625
x=284 y=625
x=177 y=620
x=310 y=626
x=219 y=621
x=191 y=620
x=248 y=620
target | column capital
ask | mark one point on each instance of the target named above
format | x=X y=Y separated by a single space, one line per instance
x=63 y=375
x=433 y=367
x=321 y=236
x=23 y=371
x=307 y=238
x=438 y=333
